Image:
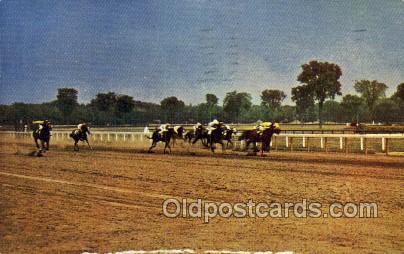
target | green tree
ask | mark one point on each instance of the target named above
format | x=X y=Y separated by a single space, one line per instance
x=353 y=108
x=66 y=100
x=172 y=108
x=322 y=80
x=272 y=98
x=398 y=97
x=332 y=111
x=371 y=92
x=234 y=103
x=211 y=105
x=124 y=104
x=286 y=114
x=104 y=101
x=399 y=94
x=387 y=110
x=304 y=100
x=211 y=99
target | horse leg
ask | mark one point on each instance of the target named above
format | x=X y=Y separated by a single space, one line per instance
x=36 y=143
x=88 y=144
x=212 y=146
x=195 y=140
x=76 y=146
x=229 y=142
x=263 y=147
x=167 y=145
x=43 y=147
x=247 y=144
x=223 y=147
x=152 y=146
x=47 y=145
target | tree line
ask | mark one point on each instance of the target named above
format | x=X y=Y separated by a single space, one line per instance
x=314 y=101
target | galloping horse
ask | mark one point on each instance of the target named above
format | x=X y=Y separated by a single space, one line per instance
x=189 y=135
x=42 y=132
x=178 y=133
x=200 y=134
x=80 y=134
x=228 y=135
x=164 y=137
x=253 y=136
x=216 y=136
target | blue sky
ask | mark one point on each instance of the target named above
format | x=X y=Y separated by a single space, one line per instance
x=154 y=49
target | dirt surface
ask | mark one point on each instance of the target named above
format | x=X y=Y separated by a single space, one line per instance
x=104 y=201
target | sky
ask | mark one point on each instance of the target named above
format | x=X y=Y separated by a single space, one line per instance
x=154 y=49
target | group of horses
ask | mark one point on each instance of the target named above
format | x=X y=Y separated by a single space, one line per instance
x=219 y=135
x=208 y=137
x=42 y=135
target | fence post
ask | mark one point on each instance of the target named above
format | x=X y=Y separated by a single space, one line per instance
x=304 y=141
x=321 y=142
x=383 y=144
x=366 y=146
x=340 y=143
x=116 y=136
x=361 y=143
x=124 y=137
x=287 y=141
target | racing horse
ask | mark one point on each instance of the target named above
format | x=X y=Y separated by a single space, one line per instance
x=201 y=134
x=42 y=132
x=216 y=136
x=80 y=134
x=253 y=136
x=228 y=135
x=179 y=132
x=164 y=137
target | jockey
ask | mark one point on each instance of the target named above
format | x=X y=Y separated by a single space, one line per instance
x=84 y=129
x=197 y=126
x=176 y=128
x=164 y=128
x=213 y=126
x=261 y=127
x=41 y=124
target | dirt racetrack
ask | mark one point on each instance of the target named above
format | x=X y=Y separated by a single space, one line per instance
x=105 y=201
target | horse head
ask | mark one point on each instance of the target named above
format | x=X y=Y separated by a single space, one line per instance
x=85 y=128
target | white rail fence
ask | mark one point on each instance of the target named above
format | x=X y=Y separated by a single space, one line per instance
x=284 y=141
